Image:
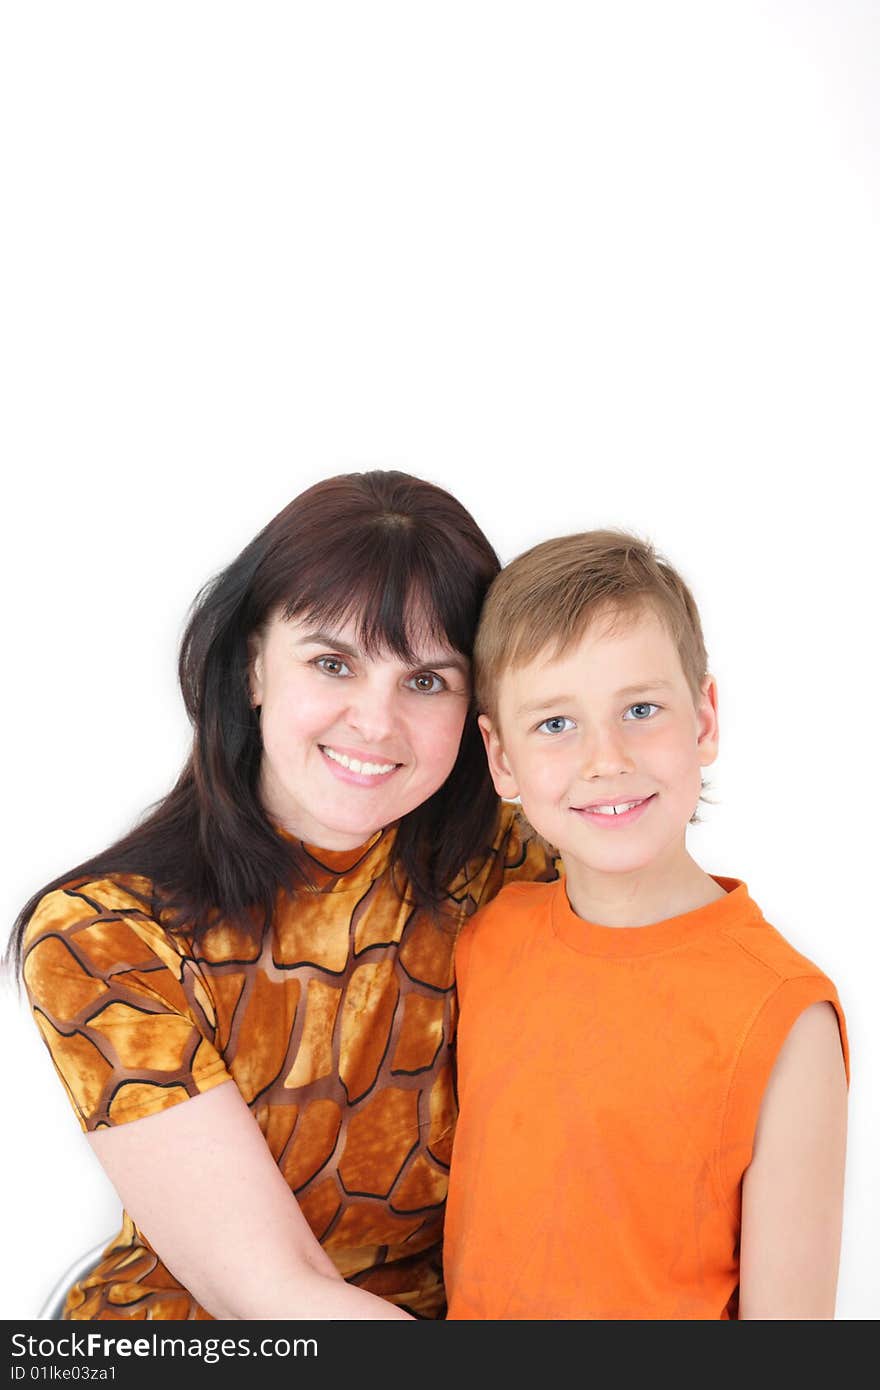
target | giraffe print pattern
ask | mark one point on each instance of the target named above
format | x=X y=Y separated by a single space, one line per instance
x=336 y=1031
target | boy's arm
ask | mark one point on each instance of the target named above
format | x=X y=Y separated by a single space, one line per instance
x=792 y=1191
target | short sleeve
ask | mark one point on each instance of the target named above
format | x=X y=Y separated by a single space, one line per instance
x=127 y=1018
x=758 y=1054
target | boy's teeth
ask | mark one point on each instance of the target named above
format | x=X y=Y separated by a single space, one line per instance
x=355 y=764
x=616 y=810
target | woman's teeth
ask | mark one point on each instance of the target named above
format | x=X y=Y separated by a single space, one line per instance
x=355 y=764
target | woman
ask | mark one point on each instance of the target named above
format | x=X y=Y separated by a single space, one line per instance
x=273 y=944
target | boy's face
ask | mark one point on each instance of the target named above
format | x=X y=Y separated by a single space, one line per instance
x=611 y=724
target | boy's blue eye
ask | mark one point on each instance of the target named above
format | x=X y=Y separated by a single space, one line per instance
x=556 y=724
x=640 y=712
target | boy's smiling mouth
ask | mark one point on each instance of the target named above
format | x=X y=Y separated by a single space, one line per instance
x=614 y=812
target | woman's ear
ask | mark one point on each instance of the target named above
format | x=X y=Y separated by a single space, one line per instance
x=255 y=670
x=502 y=776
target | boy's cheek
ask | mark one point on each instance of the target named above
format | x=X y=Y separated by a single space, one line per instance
x=540 y=792
x=542 y=817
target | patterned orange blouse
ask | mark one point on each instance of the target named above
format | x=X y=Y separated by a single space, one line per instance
x=336 y=1032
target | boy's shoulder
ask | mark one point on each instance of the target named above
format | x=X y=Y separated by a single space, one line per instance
x=520 y=896
x=757 y=939
x=517 y=904
x=520 y=909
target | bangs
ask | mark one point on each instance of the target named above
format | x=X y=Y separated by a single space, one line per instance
x=553 y=634
x=610 y=616
x=386 y=580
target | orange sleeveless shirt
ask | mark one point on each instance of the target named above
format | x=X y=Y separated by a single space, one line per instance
x=610 y=1081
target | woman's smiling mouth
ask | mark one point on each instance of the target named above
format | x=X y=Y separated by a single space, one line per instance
x=360 y=770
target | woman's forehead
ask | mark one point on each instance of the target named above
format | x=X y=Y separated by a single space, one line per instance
x=416 y=639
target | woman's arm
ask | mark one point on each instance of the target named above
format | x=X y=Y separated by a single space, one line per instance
x=792 y=1192
x=200 y=1183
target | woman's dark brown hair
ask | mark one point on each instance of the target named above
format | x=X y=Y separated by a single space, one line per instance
x=376 y=547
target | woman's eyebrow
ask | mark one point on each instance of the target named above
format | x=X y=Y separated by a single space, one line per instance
x=449 y=661
x=443 y=661
x=328 y=639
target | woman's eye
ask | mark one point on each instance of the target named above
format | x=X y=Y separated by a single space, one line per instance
x=643 y=711
x=332 y=666
x=556 y=724
x=426 y=682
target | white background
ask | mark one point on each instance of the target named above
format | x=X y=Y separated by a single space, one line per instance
x=582 y=264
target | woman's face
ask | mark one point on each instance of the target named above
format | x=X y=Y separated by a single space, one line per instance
x=352 y=742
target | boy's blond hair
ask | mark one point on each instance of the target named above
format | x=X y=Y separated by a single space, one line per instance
x=549 y=596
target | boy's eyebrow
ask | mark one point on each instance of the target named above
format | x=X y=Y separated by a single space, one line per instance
x=533 y=706
x=656 y=684
x=443 y=661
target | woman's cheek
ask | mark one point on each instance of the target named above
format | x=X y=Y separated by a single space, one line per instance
x=444 y=737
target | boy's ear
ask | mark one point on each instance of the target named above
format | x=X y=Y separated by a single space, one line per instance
x=707 y=721
x=502 y=776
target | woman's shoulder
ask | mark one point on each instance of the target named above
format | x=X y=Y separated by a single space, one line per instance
x=96 y=923
x=98 y=944
x=73 y=904
x=516 y=853
x=521 y=844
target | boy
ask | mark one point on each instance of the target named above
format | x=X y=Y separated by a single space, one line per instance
x=652 y=1081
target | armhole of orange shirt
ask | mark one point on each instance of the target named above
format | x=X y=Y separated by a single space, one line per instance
x=756 y=1060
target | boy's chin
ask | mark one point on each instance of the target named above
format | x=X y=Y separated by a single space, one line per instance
x=616 y=858
x=612 y=866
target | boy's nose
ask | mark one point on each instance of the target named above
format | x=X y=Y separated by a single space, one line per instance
x=605 y=755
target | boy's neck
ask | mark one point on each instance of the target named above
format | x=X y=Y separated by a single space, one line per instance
x=655 y=893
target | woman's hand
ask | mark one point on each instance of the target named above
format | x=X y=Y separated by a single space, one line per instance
x=200 y=1183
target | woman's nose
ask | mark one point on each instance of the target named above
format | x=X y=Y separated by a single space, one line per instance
x=372 y=711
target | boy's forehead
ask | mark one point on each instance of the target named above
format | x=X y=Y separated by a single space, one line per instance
x=637 y=645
